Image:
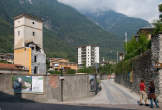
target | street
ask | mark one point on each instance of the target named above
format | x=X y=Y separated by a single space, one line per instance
x=111 y=93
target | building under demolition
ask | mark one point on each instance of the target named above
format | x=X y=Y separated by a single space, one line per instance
x=28 y=43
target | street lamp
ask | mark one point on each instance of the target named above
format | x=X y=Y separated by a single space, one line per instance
x=137 y=37
x=62 y=79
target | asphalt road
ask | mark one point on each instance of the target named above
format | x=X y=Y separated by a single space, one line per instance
x=111 y=93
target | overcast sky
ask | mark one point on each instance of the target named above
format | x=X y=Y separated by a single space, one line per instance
x=146 y=9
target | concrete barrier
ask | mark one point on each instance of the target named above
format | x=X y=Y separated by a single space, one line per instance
x=74 y=87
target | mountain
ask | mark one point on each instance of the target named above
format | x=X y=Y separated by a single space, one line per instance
x=6 y=38
x=117 y=23
x=64 y=28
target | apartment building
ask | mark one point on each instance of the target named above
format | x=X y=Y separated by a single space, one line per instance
x=88 y=56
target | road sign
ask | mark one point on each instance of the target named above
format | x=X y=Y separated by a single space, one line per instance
x=61 y=78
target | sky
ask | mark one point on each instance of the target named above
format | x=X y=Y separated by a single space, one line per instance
x=145 y=9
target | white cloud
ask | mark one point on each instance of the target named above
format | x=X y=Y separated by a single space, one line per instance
x=146 y=9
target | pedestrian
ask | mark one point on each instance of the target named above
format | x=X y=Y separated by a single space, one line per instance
x=143 y=95
x=152 y=95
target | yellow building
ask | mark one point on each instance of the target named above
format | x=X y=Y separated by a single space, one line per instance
x=58 y=63
x=23 y=56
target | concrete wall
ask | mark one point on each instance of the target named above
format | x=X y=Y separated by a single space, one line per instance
x=13 y=71
x=74 y=87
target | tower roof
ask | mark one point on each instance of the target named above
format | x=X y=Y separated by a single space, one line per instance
x=28 y=16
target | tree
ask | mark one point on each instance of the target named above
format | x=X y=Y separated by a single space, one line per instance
x=106 y=69
x=160 y=10
x=158 y=24
x=135 y=47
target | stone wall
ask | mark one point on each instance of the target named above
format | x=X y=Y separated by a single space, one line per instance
x=159 y=55
x=144 y=68
x=74 y=87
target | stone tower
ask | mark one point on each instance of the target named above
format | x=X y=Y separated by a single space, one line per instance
x=28 y=43
x=27 y=29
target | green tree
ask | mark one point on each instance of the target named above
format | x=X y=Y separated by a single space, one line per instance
x=106 y=69
x=158 y=24
x=160 y=10
x=135 y=47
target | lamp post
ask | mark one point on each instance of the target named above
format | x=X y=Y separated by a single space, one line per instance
x=62 y=79
x=136 y=37
x=96 y=84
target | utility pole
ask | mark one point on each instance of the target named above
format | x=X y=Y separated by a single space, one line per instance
x=126 y=40
x=117 y=57
x=62 y=79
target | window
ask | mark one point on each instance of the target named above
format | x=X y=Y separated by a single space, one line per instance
x=35 y=58
x=33 y=33
x=35 y=70
x=32 y=48
x=18 y=33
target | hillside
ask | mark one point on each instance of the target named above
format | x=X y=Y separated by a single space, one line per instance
x=6 y=37
x=64 y=28
x=117 y=23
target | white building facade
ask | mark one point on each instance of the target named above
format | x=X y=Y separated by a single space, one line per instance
x=88 y=56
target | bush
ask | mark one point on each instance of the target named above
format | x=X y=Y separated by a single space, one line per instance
x=70 y=71
x=54 y=72
x=88 y=70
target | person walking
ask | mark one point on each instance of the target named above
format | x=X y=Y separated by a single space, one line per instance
x=143 y=95
x=152 y=95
